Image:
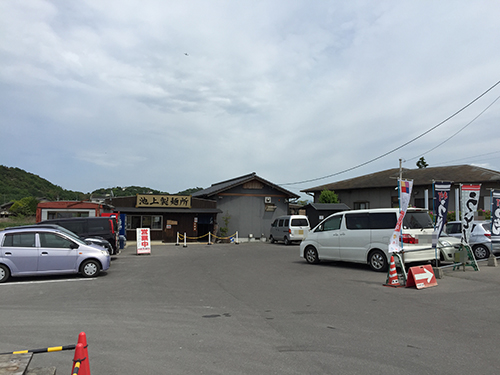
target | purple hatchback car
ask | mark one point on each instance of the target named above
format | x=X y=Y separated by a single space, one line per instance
x=36 y=250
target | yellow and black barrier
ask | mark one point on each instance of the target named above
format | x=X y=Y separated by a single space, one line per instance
x=77 y=367
x=80 y=359
x=183 y=237
x=44 y=350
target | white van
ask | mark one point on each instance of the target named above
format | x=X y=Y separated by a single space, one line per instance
x=290 y=228
x=362 y=236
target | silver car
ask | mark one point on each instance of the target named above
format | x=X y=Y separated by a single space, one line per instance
x=35 y=250
x=480 y=239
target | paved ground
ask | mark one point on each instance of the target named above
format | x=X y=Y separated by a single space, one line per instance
x=254 y=308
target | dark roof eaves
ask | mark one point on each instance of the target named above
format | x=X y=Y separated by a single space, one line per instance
x=423 y=176
x=229 y=184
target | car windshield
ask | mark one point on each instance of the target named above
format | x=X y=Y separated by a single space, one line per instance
x=417 y=220
x=70 y=234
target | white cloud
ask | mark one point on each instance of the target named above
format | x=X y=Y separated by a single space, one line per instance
x=318 y=87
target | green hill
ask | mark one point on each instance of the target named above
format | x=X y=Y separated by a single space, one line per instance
x=126 y=191
x=16 y=184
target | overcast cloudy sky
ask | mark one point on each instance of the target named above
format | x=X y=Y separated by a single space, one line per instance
x=179 y=94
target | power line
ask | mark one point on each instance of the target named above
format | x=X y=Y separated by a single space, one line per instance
x=397 y=148
x=470 y=157
x=446 y=140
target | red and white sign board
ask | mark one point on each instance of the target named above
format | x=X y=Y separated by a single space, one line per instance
x=143 y=241
x=421 y=277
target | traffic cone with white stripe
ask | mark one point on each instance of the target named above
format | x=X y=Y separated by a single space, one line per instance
x=392 y=275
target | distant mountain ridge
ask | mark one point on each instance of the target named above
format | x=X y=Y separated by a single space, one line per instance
x=16 y=183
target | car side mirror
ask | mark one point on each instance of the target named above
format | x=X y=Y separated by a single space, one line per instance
x=74 y=246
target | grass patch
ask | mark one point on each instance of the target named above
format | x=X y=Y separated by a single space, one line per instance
x=16 y=221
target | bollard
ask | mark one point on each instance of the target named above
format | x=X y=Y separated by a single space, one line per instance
x=492 y=261
x=177 y=241
x=185 y=244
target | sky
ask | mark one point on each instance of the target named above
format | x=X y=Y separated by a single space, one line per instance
x=173 y=95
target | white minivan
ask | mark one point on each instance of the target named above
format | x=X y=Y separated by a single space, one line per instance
x=362 y=236
x=289 y=228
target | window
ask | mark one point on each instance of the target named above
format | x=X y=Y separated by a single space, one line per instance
x=52 y=240
x=453 y=228
x=280 y=223
x=417 y=220
x=74 y=226
x=146 y=222
x=299 y=223
x=99 y=225
x=383 y=220
x=332 y=223
x=361 y=205
x=286 y=222
x=133 y=222
x=64 y=214
x=19 y=240
x=357 y=221
x=154 y=222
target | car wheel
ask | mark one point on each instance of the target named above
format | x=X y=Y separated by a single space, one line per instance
x=377 y=261
x=4 y=273
x=481 y=252
x=90 y=268
x=311 y=255
x=286 y=241
x=271 y=239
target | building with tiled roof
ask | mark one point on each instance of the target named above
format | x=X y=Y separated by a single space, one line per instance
x=379 y=190
x=248 y=203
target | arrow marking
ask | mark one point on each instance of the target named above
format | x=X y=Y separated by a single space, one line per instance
x=426 y=275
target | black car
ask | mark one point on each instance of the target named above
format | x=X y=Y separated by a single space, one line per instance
x=91 y=227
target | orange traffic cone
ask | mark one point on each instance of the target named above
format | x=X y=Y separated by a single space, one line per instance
x=392 y=275
x=82 y=355
x=78 y=360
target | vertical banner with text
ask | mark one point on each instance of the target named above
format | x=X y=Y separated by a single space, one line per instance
x=405 y=187
x=469 y=201
x=143 y=241
x=495 y=216
x=441 y=199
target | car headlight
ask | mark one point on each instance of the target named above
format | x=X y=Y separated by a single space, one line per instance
x=104 y=252
x=445 y=244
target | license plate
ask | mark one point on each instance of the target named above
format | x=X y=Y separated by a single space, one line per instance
x=301 y=231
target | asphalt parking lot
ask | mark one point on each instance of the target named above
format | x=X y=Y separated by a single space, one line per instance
x=254 y=308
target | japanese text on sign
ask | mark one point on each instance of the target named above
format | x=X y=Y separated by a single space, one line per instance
x=170 y=201
x=143 y=241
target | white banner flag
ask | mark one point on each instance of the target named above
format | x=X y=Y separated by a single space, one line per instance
x=405 y=187
x=470 y=199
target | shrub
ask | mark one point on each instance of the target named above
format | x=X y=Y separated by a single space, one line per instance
x=24 y=207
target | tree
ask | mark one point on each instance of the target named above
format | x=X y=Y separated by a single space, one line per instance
x=24 y=207
x=328 y=196
x=189 y=191
x=421 y=163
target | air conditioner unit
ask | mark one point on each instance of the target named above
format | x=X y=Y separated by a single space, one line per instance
x=267 y=200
